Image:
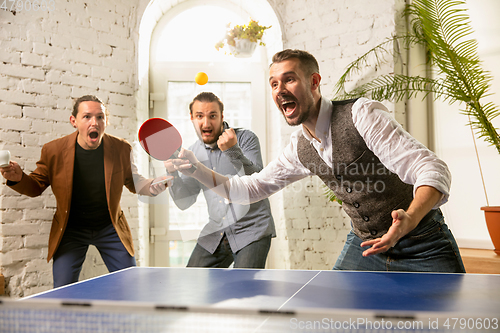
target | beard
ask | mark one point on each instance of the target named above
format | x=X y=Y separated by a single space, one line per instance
x=304 y=115
x=215 y=137
x=299 y=120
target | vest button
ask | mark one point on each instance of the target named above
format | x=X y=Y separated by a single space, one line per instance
x=373 y=232
x=356 y=205
x=366 y=218
x=348 y=190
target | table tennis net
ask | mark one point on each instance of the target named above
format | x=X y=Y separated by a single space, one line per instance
x=54 y=316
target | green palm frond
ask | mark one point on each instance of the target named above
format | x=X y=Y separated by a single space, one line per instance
x=397 y=87
x=380 y=54
x=443 y=28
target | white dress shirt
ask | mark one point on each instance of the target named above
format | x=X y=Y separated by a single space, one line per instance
x=397 y=150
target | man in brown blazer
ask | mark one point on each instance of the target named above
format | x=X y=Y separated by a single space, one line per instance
x=87 y=171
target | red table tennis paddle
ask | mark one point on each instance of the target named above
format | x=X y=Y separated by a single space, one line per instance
x=160 y=139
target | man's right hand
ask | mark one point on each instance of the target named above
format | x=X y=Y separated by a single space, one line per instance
x=13 y=172
x=169 y=166
x=183 y=163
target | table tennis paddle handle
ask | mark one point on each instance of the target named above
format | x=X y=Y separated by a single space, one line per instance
x=193 y=167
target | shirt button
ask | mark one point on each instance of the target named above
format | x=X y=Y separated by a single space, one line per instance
x=321 y=149
x=348 y=190
x=221 y=233
x=224 y=218
x=373 y=232
x=366 y=218
x=356 y=205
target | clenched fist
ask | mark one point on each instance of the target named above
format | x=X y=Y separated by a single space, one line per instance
x=227 y=139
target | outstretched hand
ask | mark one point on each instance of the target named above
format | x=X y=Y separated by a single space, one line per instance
x=159 y=184
x=183 y=163
x=401 y=223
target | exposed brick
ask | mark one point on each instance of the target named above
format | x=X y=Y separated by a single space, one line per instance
x=102 y=49
x=116 y=87
x=37 y=87
x=37 y=265
x=81 y=69
x=25 y=254
x=41 y=127
x=119 y=76
x=22 y=72
x=31 y=59
x=9 y=110
x=10 y=243
x=79 y=81
x=10 y=57
x=16 y=45
x=19 y=229
x=60 y=90
x=38 y=214
x=314 y=234
x=35 y=241
x=14 y=124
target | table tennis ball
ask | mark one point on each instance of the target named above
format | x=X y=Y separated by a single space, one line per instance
x=201 y=78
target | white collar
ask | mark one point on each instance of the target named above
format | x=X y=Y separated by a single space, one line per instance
x=322 y=123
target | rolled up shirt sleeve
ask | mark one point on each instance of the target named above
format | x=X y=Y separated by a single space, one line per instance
x=400 y=153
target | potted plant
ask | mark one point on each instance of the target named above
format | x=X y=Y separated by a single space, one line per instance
x=242 y=39
x=443 y=28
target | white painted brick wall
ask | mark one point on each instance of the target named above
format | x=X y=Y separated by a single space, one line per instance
x=46 y=60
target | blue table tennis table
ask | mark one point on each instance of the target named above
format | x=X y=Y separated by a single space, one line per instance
x=247 y=300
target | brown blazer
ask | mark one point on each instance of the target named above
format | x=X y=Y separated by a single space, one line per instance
x=55 y=168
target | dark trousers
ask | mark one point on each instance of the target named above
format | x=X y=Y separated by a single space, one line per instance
x=253 y=255
x=70 y=254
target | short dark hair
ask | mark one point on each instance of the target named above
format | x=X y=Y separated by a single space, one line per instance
x=308 y=63
x=206 y=97
x=88 y=98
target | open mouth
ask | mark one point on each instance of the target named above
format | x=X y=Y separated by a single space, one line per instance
x=288 y=107
x=93 y=135
x=206 y=132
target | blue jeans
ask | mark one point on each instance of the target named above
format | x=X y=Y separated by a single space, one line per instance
x=70 y=254
x=253 y=255
x=430 y=247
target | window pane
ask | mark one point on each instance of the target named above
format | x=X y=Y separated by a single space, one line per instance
x=180 y=252
x=192 y=35
x=236 y=97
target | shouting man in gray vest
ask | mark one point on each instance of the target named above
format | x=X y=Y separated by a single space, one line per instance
x=391 y=186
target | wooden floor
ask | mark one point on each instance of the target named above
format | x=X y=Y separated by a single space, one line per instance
x=480 y=261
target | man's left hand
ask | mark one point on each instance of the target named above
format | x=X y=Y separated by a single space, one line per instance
x=227 y=139
x=400 y=223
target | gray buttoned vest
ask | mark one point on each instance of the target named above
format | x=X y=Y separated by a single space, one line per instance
x=368 y=190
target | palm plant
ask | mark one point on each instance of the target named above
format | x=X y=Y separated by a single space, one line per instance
x=443 y=28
